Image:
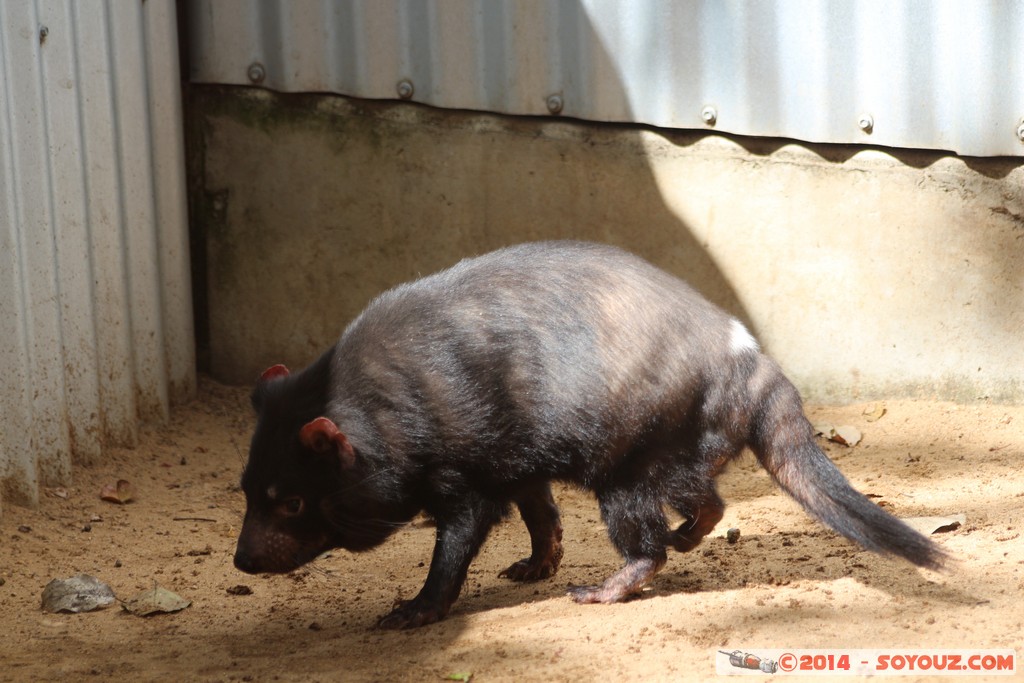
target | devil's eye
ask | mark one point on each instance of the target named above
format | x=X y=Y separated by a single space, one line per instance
x=292 y=506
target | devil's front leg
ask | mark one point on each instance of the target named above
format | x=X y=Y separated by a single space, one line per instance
x=461 y=529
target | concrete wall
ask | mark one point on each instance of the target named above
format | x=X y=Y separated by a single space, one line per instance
x=867 y=273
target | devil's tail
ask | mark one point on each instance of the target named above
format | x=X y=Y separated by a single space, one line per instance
x=783 y=441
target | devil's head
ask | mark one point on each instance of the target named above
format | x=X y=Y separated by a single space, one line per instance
x=301 y=481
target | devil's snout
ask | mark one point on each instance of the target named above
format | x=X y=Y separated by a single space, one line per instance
x=245 y=562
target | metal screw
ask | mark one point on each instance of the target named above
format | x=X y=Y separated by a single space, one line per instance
x=555 y=104
x=709 y=115
x=405 y=89
x=256 y=72
x=1020 y=131
x=866 y=122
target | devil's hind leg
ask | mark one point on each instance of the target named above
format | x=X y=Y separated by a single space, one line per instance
x=703 y=509
x=636 y=525
x=689 y=487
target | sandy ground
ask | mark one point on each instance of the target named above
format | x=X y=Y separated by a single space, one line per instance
x=787 y=583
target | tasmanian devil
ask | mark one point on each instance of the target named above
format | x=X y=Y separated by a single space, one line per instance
x=473 y=388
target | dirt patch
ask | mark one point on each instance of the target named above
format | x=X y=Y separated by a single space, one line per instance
x=787 y=582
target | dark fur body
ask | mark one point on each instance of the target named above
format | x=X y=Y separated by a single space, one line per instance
x=471 y=389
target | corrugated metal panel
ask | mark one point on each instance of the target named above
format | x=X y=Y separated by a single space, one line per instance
x=95 y=301
x=940 y=74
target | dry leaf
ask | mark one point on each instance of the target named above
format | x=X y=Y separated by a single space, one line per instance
x=874 y=412
x=155 y=601
x=846 y=435
x=120 y=493
x=935 y=525
x=824 y=429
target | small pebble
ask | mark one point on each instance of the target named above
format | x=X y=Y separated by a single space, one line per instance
x=732 y=535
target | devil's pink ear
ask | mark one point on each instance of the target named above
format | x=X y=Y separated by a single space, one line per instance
x=323 y=436
x=273 y=372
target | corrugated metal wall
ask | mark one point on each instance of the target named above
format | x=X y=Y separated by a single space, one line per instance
x=95 y=301
x=937 y=74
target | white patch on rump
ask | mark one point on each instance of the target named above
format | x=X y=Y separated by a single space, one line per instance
x=740 y=339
